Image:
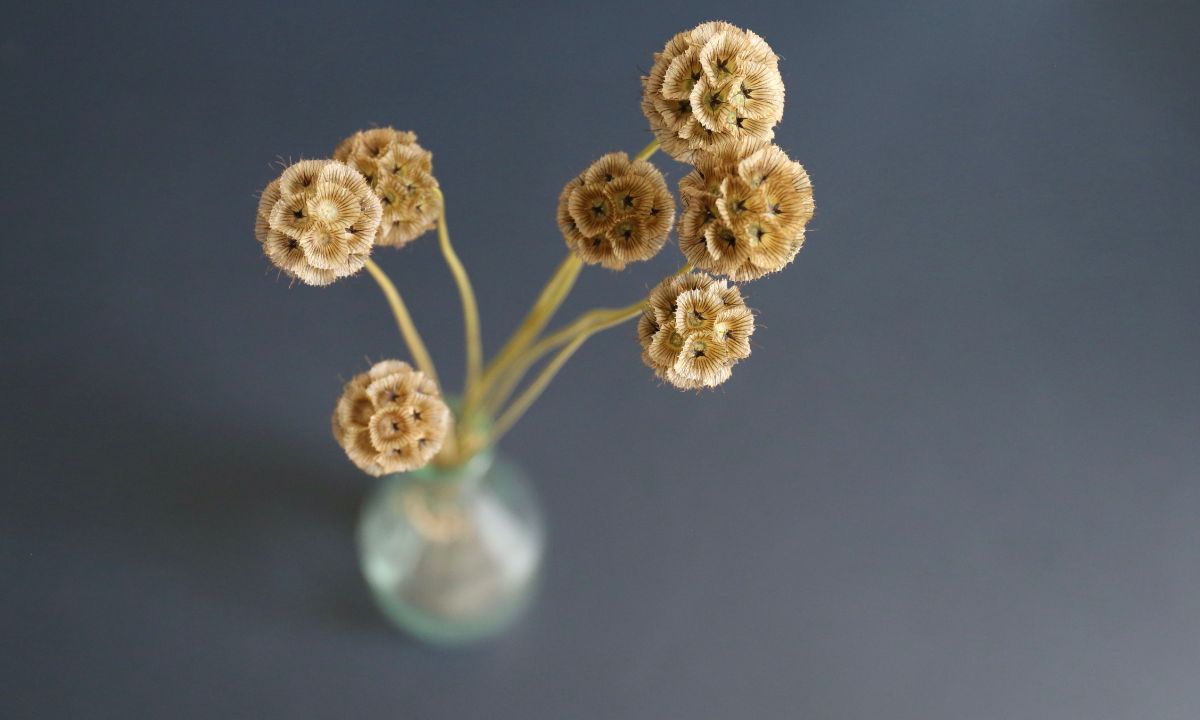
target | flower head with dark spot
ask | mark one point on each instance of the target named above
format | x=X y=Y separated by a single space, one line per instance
x=401 y=173
x=710 y=83
x=745 y=207
x=616 y=212
x=694 y=330
x=318 y=221
x=391 y=419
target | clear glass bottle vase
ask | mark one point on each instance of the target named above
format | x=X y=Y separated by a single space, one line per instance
x=452 y=555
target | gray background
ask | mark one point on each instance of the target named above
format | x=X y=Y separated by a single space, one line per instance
x=957 y=478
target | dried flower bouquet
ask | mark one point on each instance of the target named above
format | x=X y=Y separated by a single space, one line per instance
x=713 y=97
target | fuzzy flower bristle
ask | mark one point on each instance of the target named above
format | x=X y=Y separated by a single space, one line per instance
x=710 y=83
x=745 y=207
x=694 y=329
x=616 y=212
x=318 y=221
x=401 y=173
x=391 y=419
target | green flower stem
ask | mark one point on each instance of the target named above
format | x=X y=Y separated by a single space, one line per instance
x=646 y=151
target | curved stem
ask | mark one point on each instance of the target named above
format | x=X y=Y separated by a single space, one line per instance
x=470 y=307
x=580 y=326
x=603 y=320
x=519 y=366
x=646 y=151
x=412 y=338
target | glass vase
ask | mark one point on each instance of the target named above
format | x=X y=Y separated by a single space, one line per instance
x=452 y=555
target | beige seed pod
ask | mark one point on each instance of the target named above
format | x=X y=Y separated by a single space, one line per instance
x=391 y=419
x=401 y=173
x=733 y=326
x=745 y=208
x=616 y=212
x=709 y=84
x=318 y=221
x=694 y=329
x=704 y=360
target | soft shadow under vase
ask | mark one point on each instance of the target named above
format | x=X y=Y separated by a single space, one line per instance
x=452 y=555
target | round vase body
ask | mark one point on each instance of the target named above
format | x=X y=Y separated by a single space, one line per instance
x=452 y=555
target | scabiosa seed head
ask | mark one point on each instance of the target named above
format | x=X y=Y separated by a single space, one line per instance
x=616 y=212
x=401 y=173
x=318 y=221
x=391 y=419
x=745 y=207
x=694 y=330
x=710 y=83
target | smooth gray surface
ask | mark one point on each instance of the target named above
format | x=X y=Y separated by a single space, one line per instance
x=957 y=479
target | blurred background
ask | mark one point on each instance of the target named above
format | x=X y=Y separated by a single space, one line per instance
x=959 y=477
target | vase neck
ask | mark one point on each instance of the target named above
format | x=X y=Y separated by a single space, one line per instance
x=466 y=475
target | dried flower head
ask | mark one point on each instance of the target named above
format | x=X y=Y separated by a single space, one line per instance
x=401 y=173
x=694 y=330
x=745 y=207
x=710 y=83
x=391 y=419
x=317 y=221
x=616 y=212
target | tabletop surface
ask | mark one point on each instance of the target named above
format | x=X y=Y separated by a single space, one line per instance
x=958 y=478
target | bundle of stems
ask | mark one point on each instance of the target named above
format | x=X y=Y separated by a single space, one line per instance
x=490 y=403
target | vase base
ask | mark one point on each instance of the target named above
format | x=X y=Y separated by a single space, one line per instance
x=434 y=630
